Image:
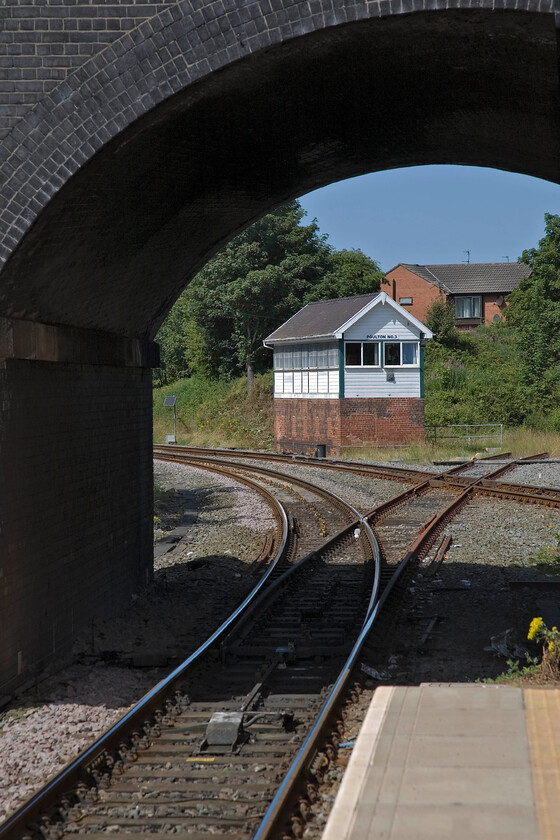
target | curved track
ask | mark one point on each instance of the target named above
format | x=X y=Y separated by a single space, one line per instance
x=214 y=748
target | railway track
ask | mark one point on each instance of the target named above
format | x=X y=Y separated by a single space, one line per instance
x=235 y=741
x=486 y=484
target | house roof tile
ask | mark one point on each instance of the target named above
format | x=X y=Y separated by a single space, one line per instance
x=469 y=278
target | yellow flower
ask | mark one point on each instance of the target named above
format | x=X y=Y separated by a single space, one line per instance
x=534 y=627
x=551 y=647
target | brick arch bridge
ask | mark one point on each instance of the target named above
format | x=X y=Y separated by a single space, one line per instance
x=135 y=139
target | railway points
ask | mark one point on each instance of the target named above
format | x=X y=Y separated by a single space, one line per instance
x=262 y=713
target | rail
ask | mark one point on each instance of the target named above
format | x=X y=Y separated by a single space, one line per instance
x=285 y=798
x=69 y=778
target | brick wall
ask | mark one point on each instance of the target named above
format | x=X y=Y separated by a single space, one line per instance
x=490 y=308
x=404 y=283
x=75 y=504
x=383 y=420
x=42 y=41
x=301 y=424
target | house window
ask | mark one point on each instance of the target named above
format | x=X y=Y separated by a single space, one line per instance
x=306 y=369
x=406 y=301
x=353 y=353
x=362 y=353
x=467 y=307
x=400 y=353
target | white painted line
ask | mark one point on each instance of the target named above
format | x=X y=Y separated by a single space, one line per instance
x=341 y=819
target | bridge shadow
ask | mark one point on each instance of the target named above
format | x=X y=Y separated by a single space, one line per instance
x=464 y=623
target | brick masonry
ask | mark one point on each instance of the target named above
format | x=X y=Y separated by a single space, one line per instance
x=490 y=308
x=405 y=283
x=131 y=80
x=75 y=504
x=136 y=139
x=43 y=41
x=300 y=425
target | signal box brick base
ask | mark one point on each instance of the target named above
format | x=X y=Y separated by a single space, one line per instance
x=302 y=424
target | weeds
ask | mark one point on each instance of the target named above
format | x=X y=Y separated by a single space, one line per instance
x=549 y=668
x=545 y=671
x=516 y=672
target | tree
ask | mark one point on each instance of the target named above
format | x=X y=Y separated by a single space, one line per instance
x=259 y=280
x=440 y=319
x=534 y=310
x=350 y=273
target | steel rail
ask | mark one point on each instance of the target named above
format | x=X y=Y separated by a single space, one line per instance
x=397 y=473
x=70 y=776
x=361 y=468
x=74 y=772
x=360 y=521
x=285 y=797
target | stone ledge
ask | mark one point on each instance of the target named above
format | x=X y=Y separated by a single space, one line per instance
x=34 y=341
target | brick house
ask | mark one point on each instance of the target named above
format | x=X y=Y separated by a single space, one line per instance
x=348 y=372
x=477 y=290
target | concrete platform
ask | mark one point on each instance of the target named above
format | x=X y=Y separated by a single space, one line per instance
x=453 y=761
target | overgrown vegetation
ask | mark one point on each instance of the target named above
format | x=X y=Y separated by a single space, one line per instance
x=261 y=278
x=474 y=378
x=507 y=372
x=537 y=671
x=214 y=412
x=500 y=373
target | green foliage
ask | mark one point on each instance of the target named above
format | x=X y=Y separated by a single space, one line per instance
x=257 y=282
x=476 y=382
x=440 y=319
x=516 y=672
x=216 y=412
x=534 y=311
x=508 y=372
x=349 y=273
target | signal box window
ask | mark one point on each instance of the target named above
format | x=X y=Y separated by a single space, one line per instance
x=362 y=353
x=392 y=353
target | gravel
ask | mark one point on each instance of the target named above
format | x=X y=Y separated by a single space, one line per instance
x=358 y=490
x=203 y=577
x=207 y=571
x=546 y=475
x=500 y=533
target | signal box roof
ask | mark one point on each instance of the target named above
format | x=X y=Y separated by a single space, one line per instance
x=327 y=319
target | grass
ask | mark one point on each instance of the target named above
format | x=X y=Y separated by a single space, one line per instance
x=217 y=413
x=520 y=441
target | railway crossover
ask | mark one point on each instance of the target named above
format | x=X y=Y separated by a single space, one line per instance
x=236 y=740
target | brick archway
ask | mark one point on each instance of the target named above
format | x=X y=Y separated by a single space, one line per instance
x=126 y=175
x=125 y=178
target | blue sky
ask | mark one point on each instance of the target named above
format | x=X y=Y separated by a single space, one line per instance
x=433 y=214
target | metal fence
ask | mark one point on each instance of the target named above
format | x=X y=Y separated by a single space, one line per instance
x=466 y=432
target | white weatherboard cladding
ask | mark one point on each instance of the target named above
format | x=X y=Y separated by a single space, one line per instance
x=372 y=382
x=306 y=384
x=383 y=323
